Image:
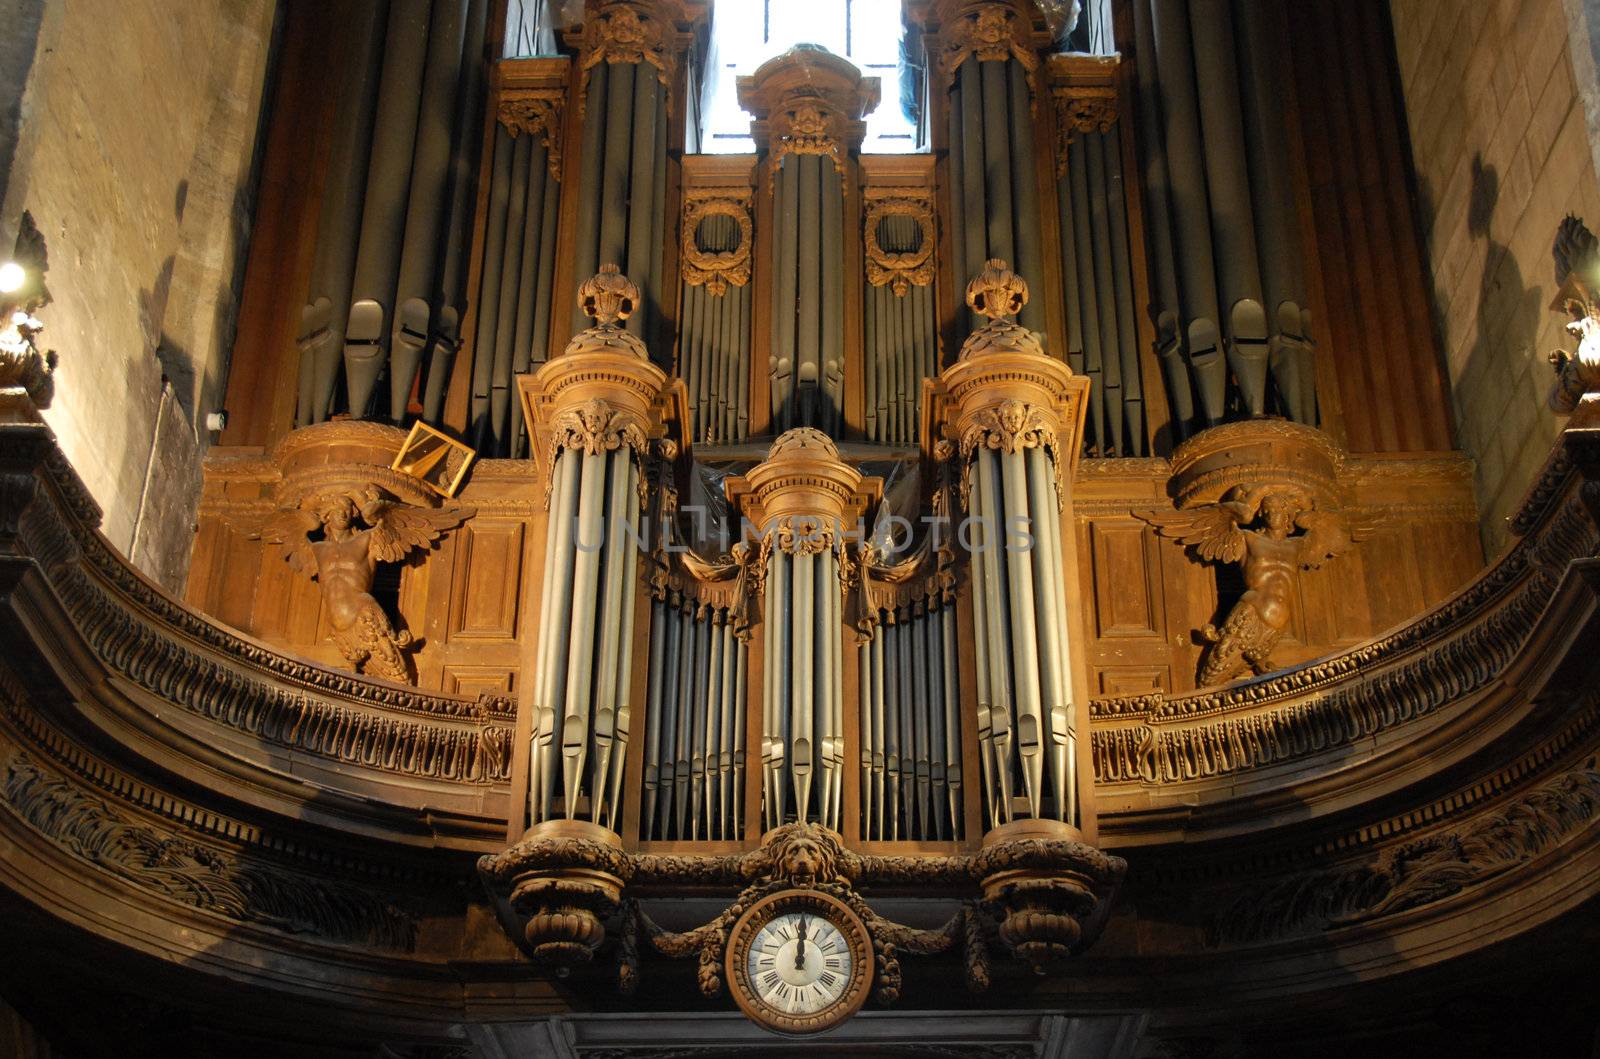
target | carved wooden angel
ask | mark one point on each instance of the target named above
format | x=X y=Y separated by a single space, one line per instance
x=324 y=539
x=1272 y=532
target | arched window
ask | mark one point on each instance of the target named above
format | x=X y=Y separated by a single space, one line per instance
x=746 y=33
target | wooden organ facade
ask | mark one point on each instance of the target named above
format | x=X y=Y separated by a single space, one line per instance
x=1048 y=545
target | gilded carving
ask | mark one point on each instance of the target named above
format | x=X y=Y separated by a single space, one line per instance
x=988 y=31
x=536 y=112
x=900 y=271
x=807 y=126
x=623 y=31
x=1272 y=532
x=716 y=269
x=1080 y=110
x=337 y=540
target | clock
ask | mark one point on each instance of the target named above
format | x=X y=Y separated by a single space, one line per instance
x=799 y=961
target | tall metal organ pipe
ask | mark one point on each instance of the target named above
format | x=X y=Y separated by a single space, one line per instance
x=580 y=688
x=808 y=106
x=1014 y=457
x=992 y=155
x=622 y=161
x=387 y=284
x=1225 y=253
x=799 y=501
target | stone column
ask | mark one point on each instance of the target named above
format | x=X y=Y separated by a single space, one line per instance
x=801 y=502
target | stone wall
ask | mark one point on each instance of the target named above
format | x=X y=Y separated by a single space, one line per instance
x=1499 y=140
x=135 y=155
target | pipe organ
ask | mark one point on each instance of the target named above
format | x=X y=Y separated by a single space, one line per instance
x=1098 y=258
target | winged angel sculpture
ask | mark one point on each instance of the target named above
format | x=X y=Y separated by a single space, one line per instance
x=1272 y=532
x=338 y=539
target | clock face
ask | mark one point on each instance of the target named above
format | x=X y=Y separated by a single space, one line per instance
x=799 y=962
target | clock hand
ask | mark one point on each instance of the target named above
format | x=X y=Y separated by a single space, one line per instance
x=800 y=949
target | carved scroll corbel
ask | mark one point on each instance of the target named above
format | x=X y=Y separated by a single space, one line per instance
x=1576 y=391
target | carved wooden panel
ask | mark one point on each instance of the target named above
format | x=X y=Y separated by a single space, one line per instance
x=471 y=680
x=1133 y=680
x=488 y=578
x=1127 y=598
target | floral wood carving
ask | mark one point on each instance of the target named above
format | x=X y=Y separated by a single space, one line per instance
x=716 y=269
x=536 y=112
x=324 y=538
x=900 y=271
x=1272 y=532
x=1012 y=426
x=212 y=879
x=1080 y=110
x=807 y=127
x=592 y=428
x=1420 y=872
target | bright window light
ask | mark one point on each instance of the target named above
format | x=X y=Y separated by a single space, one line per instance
x=746 y=33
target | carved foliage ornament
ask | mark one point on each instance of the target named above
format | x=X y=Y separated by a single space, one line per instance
x=593 y=428
x=716 y=269
x=1080 y=110
x=625 y=32
x=900 y=271
x=536 y=112
x=172 y=865
x=988 y=32
x=807 y=125
x=1008 y=427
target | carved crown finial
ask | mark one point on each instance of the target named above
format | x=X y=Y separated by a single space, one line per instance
x=608 y=296
x=803 y=440
x=997 y=292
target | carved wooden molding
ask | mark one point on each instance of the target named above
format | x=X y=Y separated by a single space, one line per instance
x=530 y=95
x=602 y=393
x=175 y=865
x=1035 y=878
x=1083 y=89
x=808 y=102
x=716 y=269
x=900 y=271
x=987 y=31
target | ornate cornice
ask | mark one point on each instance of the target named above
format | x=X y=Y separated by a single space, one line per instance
x=808 y=102
x=716 y=269
x=176 y=864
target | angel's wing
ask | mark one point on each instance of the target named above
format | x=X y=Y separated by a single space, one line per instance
x=1329 y=534
x=1212 y=530
x=398 y=528
x=291 y=531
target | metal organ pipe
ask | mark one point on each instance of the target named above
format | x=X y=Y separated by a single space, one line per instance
x=1215 y=151
x=582 y=673
x=384 y=206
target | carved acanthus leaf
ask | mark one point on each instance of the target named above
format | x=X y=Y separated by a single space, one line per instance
x=536 y=112
x=627 y=32
x=593 y=428
x=1080 y=110
x=988 y=32
x=806 y=125
x=1008 y=427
